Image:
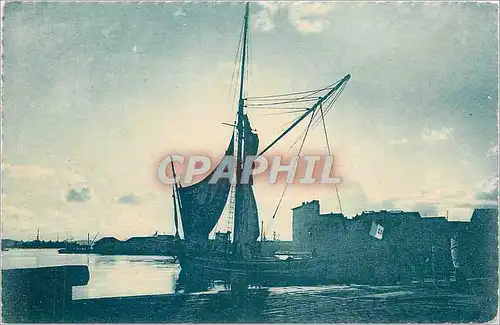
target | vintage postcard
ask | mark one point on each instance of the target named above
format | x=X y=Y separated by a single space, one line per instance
x=250 y=162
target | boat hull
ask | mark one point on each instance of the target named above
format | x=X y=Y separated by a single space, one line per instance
x=267 y=272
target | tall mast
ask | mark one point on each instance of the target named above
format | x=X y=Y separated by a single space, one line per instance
x=240 y=130
x=176 y=200
x=176 y=217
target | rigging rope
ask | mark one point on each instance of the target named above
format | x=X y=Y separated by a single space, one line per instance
x=330 y=153
x=304 y=99
x=330 y=104
x=299 y=100
x=282 y=113
x=324 y=128
x=249 y=55
x=233 y=89
x=273 y=108
x=286 y=185
x=298 y=154
x=314 y=91
x=304 y=134
x=247 y=65
x=317 y=119
x=283 y=95
x=287 y=124
x=236 y=68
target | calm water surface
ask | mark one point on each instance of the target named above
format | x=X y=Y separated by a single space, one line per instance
x=110 y=276
x=126 y=276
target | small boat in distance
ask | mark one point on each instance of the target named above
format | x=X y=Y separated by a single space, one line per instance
x=200 y=205
x=80 y=249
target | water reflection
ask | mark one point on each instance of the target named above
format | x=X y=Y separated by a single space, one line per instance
x=29 y=258
x=157 y=283
x=110 y=276
x=189 y=284
x=117 y=276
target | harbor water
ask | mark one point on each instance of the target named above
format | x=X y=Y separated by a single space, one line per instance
x=110 y=275
x=145 y=289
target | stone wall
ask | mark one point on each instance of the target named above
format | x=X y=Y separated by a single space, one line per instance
x=409 y=246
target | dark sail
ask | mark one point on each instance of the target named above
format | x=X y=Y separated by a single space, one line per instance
x=248 y=227
x=251 y=138
x=202 y=205
x=251 y=142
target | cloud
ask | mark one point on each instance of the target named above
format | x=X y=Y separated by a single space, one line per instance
x=309 y=17
x=488 y=190
x=130 y=198
x=387 y=204
x=18 y=220
x=443 y=134
x=493 y=152
x=104 y=107
x=307 y=26
x=426 y=208
x=16 y=213
x=465 y=162
x=264 y=20
x=460 y=213
x=478 y=205
x=179 y=13
x=27 y=171
x=459 y=194
x=78 y=195
x=353 y=196
x=399 y=141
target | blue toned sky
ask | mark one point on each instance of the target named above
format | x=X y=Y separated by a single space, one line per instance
x=96 y=94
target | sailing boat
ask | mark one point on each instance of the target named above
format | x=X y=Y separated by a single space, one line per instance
x=200 y=207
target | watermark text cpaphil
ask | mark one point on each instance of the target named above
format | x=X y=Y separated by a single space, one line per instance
x=306 y=169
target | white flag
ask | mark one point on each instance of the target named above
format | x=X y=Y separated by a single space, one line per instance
x=377 y=230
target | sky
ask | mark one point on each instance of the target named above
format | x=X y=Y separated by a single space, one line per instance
x=95 y=95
